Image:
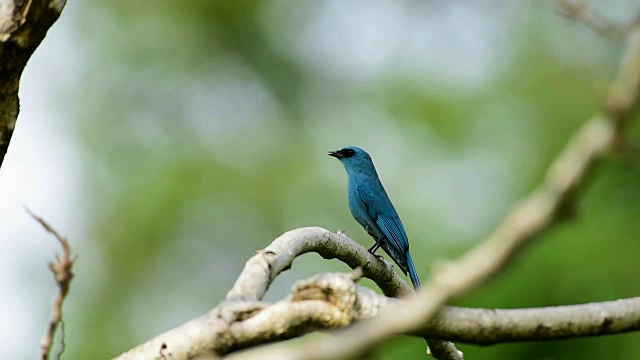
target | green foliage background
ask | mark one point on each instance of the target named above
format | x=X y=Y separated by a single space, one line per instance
x=205 y=127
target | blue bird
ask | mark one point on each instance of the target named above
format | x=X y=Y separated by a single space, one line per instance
x=371 y=207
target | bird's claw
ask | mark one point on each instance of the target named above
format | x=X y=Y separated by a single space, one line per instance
x=372 y=250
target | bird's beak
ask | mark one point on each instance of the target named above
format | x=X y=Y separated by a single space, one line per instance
x=335 y=154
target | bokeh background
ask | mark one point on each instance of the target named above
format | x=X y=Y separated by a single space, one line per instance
x=170 y=140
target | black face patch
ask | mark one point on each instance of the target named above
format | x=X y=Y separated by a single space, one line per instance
x=342 y=153
x=346 y=152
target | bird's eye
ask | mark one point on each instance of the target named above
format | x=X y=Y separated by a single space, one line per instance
x=349 y=152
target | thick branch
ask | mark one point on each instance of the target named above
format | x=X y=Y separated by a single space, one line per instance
x=23 y=25
x=330 y=301
x=210 y=333
x=491 y=326
x=523 y=223
x=477 y=326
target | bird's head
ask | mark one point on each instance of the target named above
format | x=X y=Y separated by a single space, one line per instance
x=354 y=159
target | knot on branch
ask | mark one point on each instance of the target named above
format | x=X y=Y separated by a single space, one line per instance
x=338 y=290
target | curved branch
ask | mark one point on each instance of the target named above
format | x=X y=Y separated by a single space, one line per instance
x=266 y=264
x=211 y=333
x=324 y=301
x=23 y=25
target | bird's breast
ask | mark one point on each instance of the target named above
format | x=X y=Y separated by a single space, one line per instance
x=357 y=207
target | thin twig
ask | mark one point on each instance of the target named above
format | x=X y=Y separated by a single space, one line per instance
x=63 y=344
x=63 y=274
x=579 y=11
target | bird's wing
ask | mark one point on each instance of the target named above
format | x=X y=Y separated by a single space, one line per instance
x=381 y=211
x=394 y=231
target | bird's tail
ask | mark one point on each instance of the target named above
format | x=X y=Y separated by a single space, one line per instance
x=412 y=272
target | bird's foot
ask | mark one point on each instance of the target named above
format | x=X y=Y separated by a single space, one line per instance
x=372 y=250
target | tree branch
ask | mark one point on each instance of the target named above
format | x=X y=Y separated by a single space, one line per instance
x=23 y=25
x=253 y=282
x=268 y=263
x=523 y=223
x=492 y=326
x=579 y=11
x=209 y=334
x=477 y=326
x=330 y=301
x=63 y=274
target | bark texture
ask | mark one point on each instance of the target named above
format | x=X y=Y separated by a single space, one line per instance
x=23 y=25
